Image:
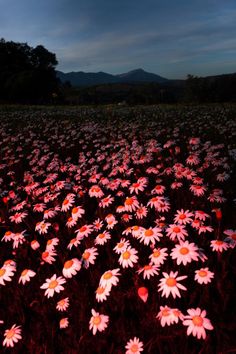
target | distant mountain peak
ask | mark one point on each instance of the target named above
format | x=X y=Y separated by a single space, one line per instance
x=90 y=79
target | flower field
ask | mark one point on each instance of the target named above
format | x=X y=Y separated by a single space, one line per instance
x=118 y=230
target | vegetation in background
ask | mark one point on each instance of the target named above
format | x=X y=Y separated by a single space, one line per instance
x=27 y=75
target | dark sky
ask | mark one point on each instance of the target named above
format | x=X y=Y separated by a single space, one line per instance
x=168 y=37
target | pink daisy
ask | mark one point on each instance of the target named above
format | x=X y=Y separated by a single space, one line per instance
x=197 y=323
x=150 y=235
x=203 y=276
x=53 y=285
x=12 y=336
x=219 y=245
x=176 y=231
x=128 y=257
x=169 y=284
x=149 y=271
x=185 y=252
x=183 y=217
x=98 y=322
x=134 y=346
x=158 y=256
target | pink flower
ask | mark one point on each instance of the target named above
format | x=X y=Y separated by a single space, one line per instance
x=168 y=316
x=149 y=271
x=185 y=252
x=98 y=322
x=134 y=346
x=176 y=231
x=53 y=285
x=128 y=257
x=219 y=245
x=169 y=284
x=197 y=323
x=63 y=304
x=203 y=276
x=26 y=275
x=71 y=267
x=12 y=336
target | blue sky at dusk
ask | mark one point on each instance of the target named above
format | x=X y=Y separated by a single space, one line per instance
x=170 y=38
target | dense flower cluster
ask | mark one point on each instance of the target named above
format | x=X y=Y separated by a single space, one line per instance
x=113 y=230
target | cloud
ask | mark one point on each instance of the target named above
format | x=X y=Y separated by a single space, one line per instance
x=120 y=35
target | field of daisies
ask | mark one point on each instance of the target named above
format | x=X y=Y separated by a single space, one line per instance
x=118 y=230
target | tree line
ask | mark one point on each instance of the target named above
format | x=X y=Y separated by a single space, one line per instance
x=27 y=75
x=220 y=88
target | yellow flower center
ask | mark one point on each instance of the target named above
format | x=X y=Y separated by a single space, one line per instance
x=61 y=302
x=86 y=255
x=68 y=264
x=202 y=273
x=135 y=228
x=45 y=255
x=134 y=348
x=63 y=322
x=129 y=201
x=2 y=272
x=147 y=267
x=156 y=254
x=43 y=226
x=197 y=321
x=171 y=281
x=97 y=320
x=24 y=272
x=74 y=210
x=10 y=333
x=126 y=255
x=107 y=275
x=100 y=290
x=165 y=312
x=219 y=242
x=182 y=216
x=120 y=245
x=53 y=284
x=184 y=250
x=101 y=235
x=176 y=229
x=149 y=233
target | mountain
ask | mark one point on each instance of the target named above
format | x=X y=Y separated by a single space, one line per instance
x=81 y=78
x=139 y=75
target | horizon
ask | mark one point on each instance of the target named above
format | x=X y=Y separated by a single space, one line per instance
x=171 y=40
x=120 y=73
